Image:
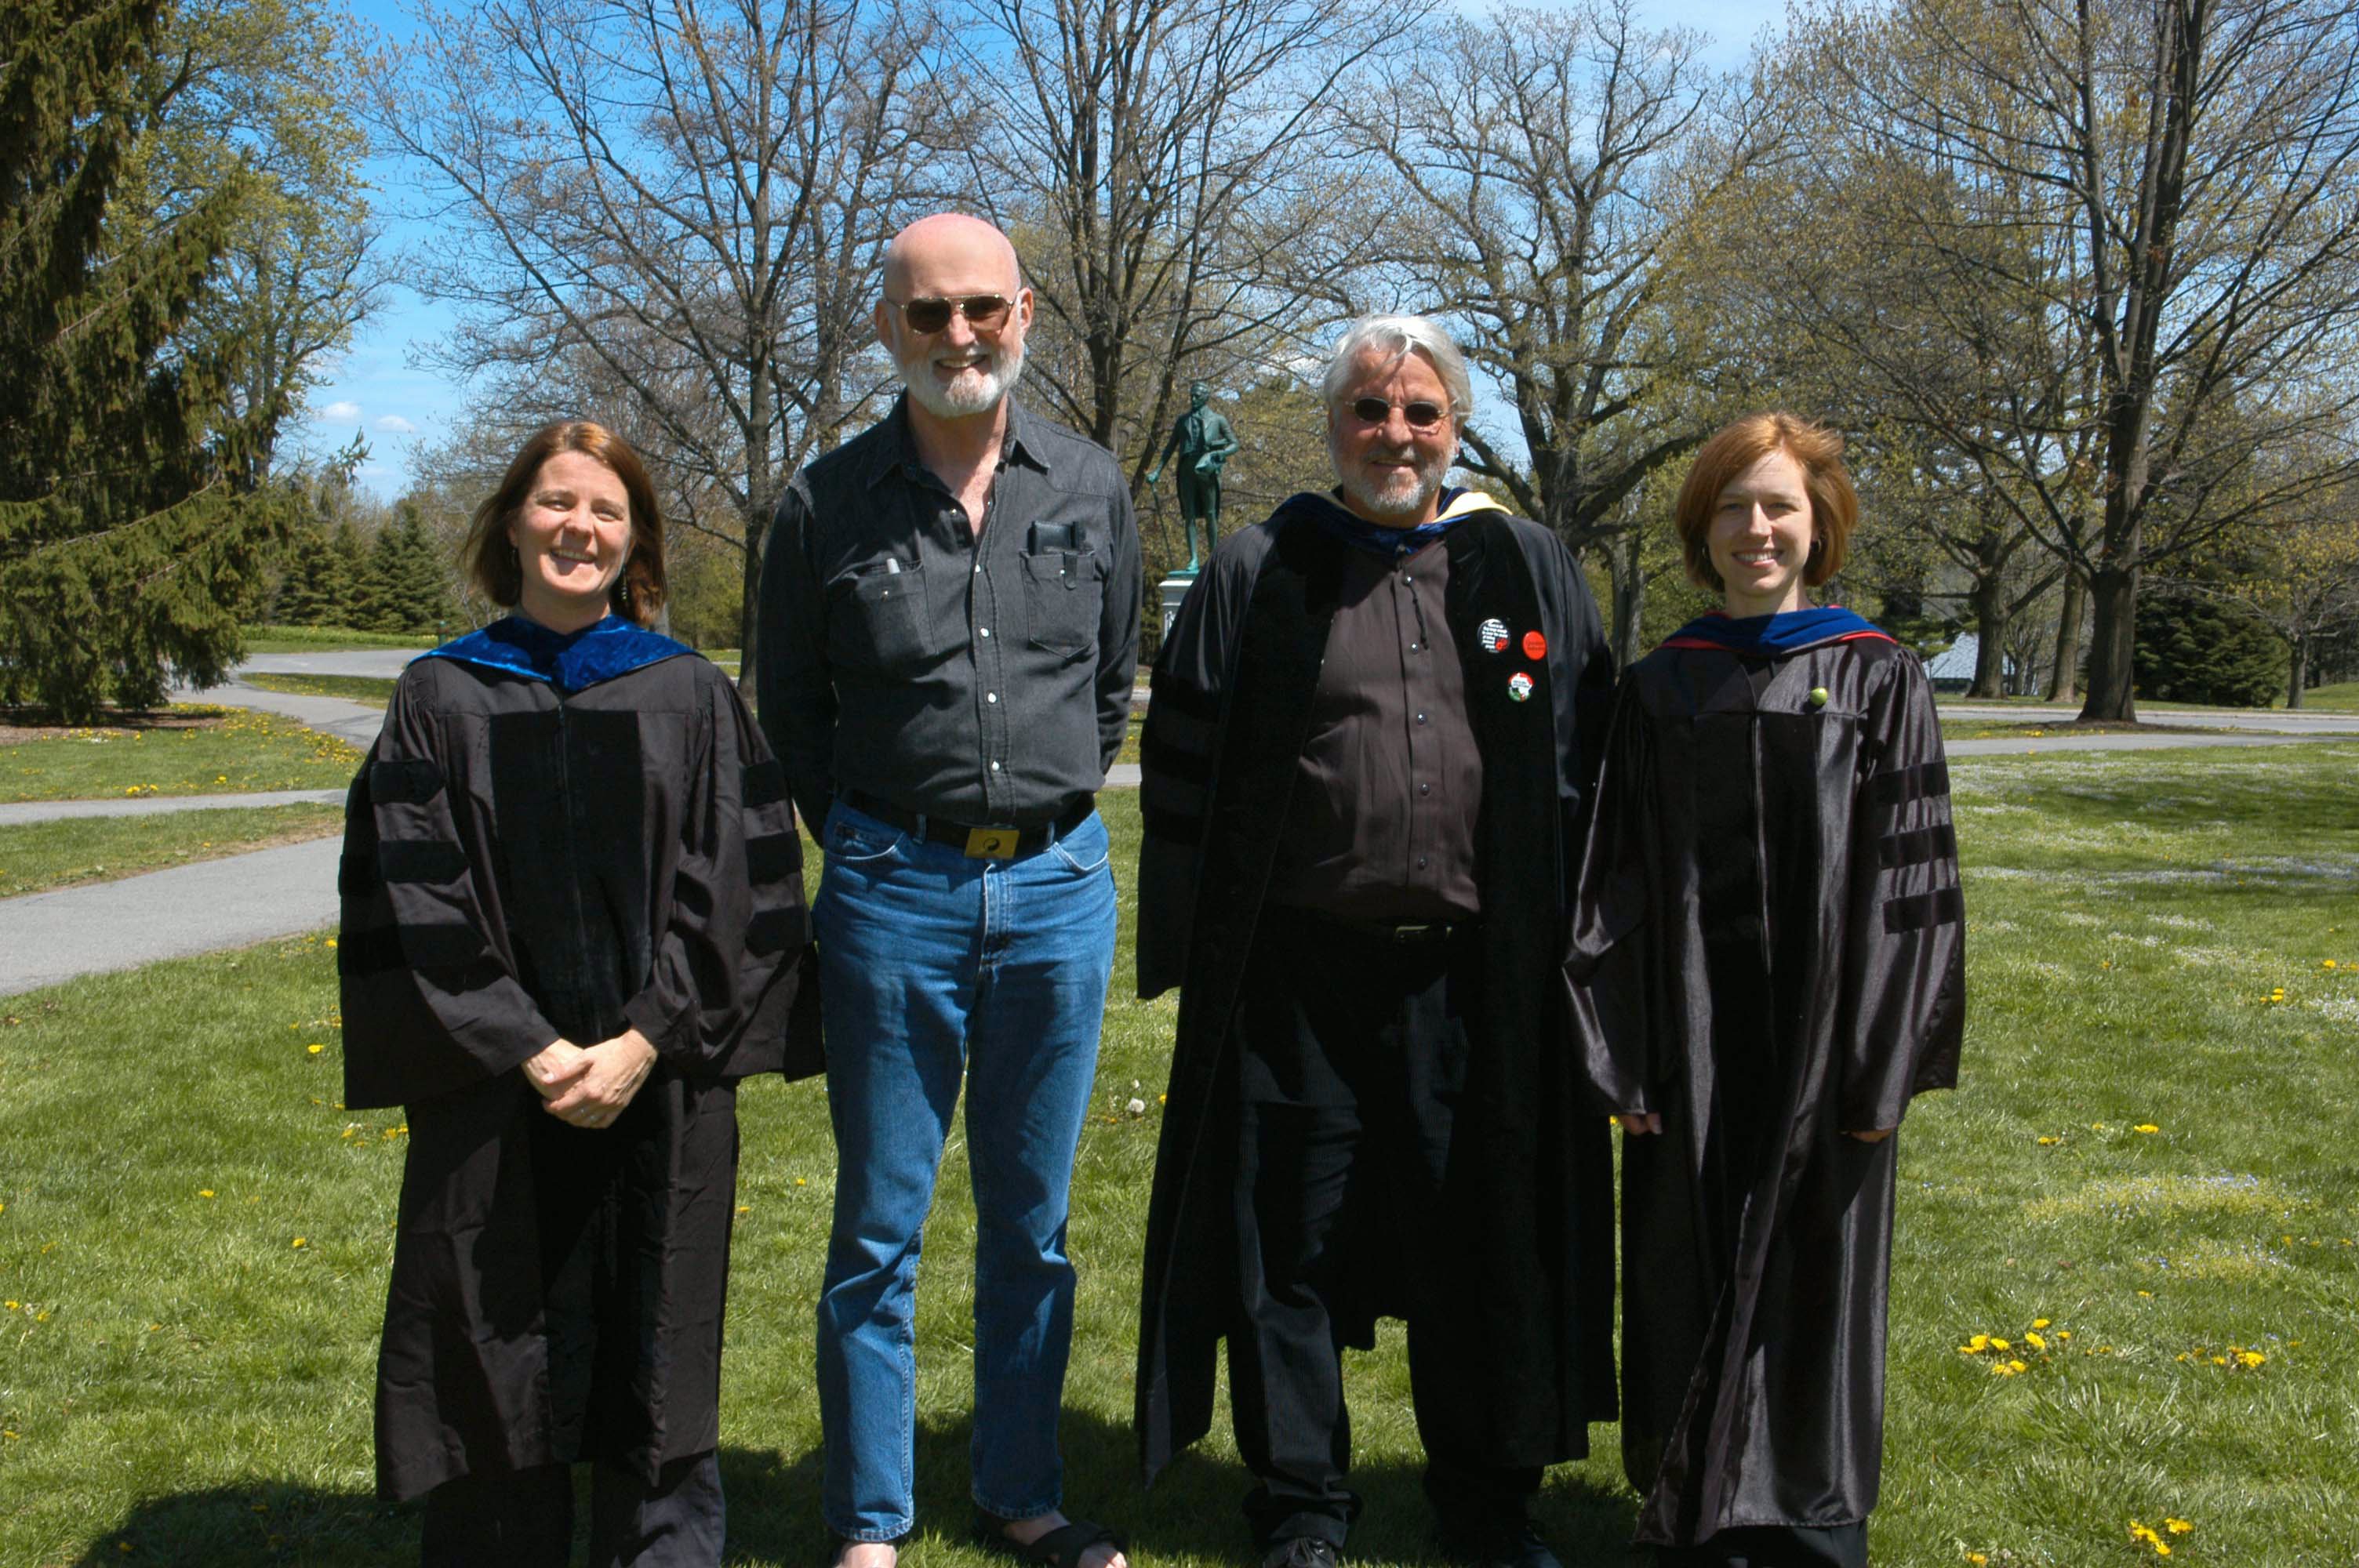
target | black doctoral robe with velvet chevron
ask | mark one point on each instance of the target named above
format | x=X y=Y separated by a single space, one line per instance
x=525 y=861
x=1526 y=1193
x=1768 y=951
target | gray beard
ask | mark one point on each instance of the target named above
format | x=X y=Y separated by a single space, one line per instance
x=1394 y=507
x=1003 y=369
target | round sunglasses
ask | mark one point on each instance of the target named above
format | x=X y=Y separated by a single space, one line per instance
x=984 y=312
x=1420 y=415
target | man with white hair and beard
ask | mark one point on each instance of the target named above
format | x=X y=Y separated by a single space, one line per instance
x=1376 y=724
x=949 y=625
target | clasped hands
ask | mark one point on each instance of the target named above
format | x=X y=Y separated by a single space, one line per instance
x=589 y=1086
x=1652 y=1121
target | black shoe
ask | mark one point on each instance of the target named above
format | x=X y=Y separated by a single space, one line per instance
x=1302 y=1552
x=1520 y=1545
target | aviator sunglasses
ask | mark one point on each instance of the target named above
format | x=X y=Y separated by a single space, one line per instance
x=984 y=312
x=1420 y=415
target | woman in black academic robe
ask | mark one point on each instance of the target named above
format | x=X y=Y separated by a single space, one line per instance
x=573 y=919
x=1766 y=964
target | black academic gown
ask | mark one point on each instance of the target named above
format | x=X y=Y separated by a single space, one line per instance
x=1768 y=952
x=1527 y=1198
x=526 y=860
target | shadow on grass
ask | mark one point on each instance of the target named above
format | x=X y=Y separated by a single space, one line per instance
x=773 y=1512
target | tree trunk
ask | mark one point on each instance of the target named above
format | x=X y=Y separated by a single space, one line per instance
x=1990 y=639
x=1629 y=601
x=749 y=611
x=2298 y=671
x=2113 y=645
x=2064 y=680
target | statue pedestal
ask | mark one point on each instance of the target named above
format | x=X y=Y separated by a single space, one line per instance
x=1175 y=588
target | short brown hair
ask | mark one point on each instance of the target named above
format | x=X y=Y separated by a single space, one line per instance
x=1834 y=504
x=490 y=557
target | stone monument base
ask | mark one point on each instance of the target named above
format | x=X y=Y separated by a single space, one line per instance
x=1175 y=588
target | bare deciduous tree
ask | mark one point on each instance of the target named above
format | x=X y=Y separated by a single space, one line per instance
x=2145 y=217
x=1547 y=161
x=677 y=204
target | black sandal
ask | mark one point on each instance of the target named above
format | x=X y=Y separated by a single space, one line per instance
x=1060 y=1547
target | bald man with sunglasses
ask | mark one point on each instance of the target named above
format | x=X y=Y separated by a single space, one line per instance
x=1376 y=723
x=949 y=617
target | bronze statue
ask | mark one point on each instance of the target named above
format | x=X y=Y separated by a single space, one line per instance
x=1203 y=440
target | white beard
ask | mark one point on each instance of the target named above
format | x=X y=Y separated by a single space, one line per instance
x=1403 y=496
x=976 y=393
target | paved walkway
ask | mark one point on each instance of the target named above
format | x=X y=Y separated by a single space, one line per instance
x=15 y=812
x=53 y=936
x=47 y=937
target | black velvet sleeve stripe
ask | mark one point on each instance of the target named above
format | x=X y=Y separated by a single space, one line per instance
x=1908 y=783
x=1943 y=906
x=765 y=784
x=776 y=930
x=1182 y=731
x=414 y=946
x=1157 y=754
x=773 y=857
x=1184 y=698
x=355 y=875
x=1937 y=842
x=404 y=780
x=420 y=860
x=1178 y=828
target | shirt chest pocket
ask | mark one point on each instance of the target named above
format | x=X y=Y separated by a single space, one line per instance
x=877 y=618
x=1064 y=593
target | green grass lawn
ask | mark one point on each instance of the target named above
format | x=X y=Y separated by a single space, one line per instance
x=36 y=856
x=2152 y=1152
x=2343 y=698
x=243 y=751
x=328 y=639
x=374 y=690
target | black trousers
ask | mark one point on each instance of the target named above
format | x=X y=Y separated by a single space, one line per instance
x=1352 y=1052
x=1770 y=1546
x=524 y=1519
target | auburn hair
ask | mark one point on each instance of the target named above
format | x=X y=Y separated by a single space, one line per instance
x=1834 y=504
x=489 y=554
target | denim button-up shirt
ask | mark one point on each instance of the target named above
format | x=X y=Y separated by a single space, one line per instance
x=980 y=678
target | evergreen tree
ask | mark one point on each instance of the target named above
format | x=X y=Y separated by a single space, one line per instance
x=316 y=586
x=407 y=573
x=362 y=594
x=2195 y=646
x=124 y=544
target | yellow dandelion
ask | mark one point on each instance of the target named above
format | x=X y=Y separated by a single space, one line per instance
x=2019 y=1366
x=745 y=1209
x=2064 y=1334
x=313 y=1050
x=204 y=1191
x=2039 y=1323
x=2001 y=1344
x=302 y=1241
x=2146 y=1126
x=1979 y=1342
x=801 y=1182
x=2177 y=1526
x=2251 y=1357
x=2034 y=1340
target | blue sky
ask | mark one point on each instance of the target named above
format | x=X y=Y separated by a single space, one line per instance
x=379 y=391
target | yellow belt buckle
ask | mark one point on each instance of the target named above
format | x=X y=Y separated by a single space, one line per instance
x=992 y=843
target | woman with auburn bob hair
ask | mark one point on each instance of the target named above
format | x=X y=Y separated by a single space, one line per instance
x=1766 y=964
x=572 y=921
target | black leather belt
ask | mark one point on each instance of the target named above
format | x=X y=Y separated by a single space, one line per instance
x=983 y=841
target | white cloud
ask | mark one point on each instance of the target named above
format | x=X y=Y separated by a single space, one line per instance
x=394 y=424
x=341 y=413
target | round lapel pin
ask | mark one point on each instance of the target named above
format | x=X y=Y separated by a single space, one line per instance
x=1493 y=635
x=1535 y=645
x=1519 y=687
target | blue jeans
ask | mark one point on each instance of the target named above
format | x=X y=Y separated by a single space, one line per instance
x=931 y=961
